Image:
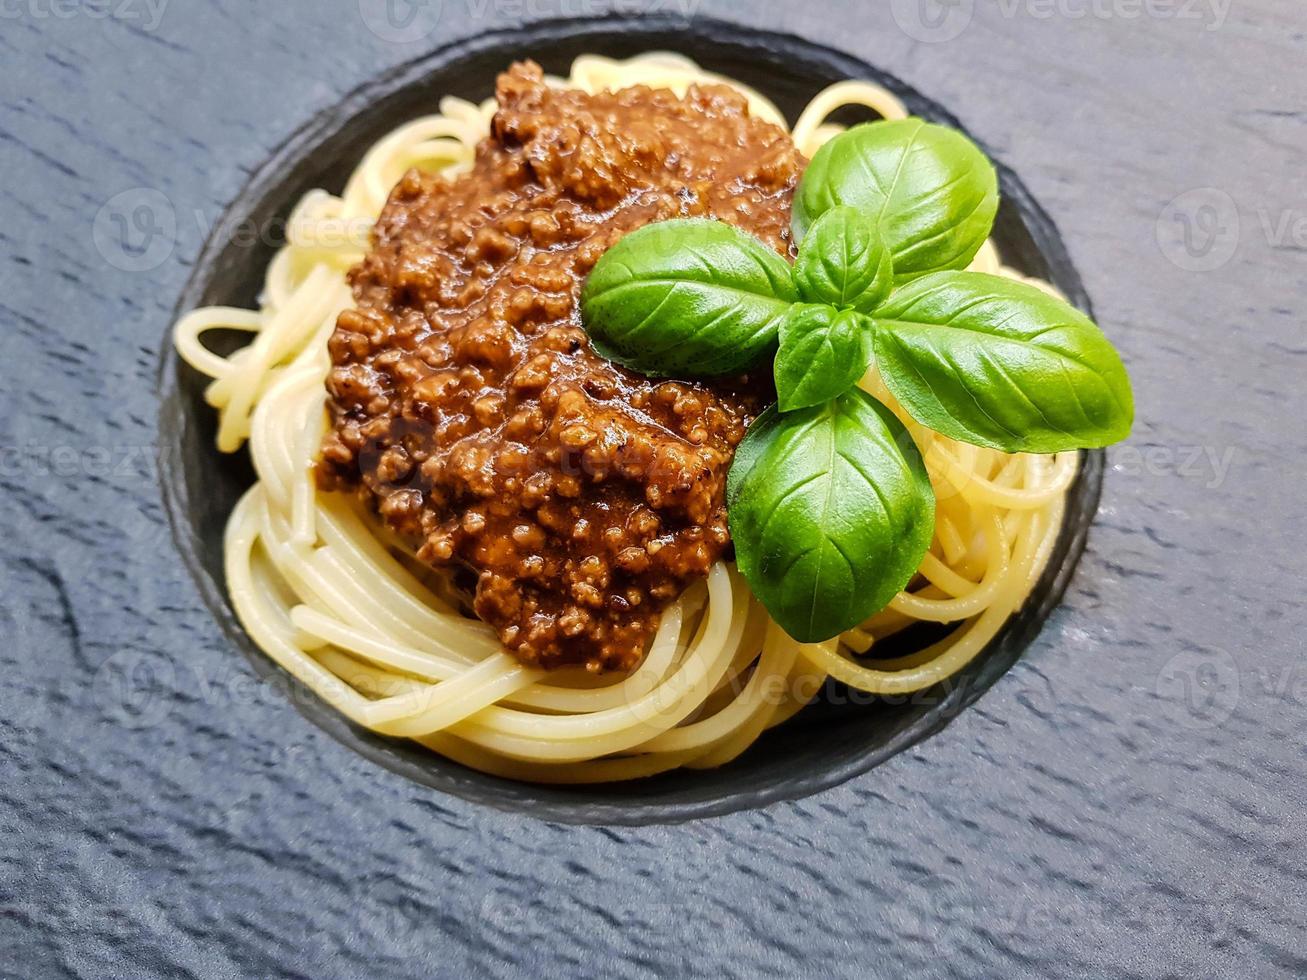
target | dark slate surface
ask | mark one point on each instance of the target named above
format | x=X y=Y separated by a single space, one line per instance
x=1128 y=801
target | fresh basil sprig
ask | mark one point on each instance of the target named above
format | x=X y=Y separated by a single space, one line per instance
x=829 y=503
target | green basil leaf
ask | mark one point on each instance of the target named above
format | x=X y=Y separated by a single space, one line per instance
x=824 y=352
x=933 y=191
x=831 y=512
x=687 y=297
x=998 y=363
x=844 y=262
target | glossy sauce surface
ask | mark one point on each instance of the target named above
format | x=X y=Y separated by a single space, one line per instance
x=577 y=498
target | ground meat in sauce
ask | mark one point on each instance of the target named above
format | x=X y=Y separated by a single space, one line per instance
x=468 y=406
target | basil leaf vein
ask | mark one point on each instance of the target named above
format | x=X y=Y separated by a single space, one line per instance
x=824 y=352
x=1002 y=364
x=844 y=262
x=831 y=511
x=687 y=296
x=932 y=190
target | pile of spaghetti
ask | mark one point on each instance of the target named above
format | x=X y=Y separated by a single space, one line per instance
x=330 y=594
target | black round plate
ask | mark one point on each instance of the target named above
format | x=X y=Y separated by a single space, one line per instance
x=840 y=736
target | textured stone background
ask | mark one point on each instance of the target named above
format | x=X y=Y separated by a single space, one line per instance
x=1128 y=801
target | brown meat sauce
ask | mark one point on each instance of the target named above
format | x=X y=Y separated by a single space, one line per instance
x=468 y=406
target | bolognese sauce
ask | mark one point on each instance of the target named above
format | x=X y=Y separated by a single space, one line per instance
x=468 y=407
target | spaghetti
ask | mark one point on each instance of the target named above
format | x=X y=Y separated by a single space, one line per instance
x=335 y=598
